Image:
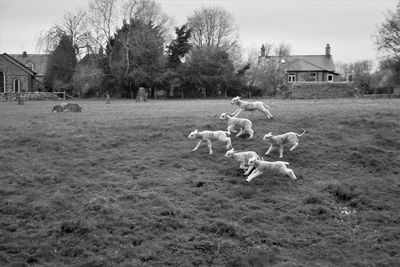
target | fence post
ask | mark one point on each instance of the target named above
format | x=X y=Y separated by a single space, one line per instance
x=64 y=95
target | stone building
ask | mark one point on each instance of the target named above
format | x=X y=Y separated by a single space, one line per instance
x=17 y=74
x=307 y=68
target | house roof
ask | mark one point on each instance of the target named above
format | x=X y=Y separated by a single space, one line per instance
x=39 y=61
x=19 y=64
x=307 y=63
x=92 y=59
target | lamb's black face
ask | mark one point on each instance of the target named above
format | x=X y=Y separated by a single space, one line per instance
x=193 y=134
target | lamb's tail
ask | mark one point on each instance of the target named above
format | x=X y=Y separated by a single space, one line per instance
x=301 y=133
x=266 y=106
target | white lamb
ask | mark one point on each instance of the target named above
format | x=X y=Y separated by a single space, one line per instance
x=208 y=136
x=251 y=106
x=278 y=141
x=278 y=167
x=243 y=158
x=244 y=124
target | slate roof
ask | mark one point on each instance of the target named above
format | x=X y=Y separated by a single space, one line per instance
x=19 y=64
x=39 y=61
x=307 y=63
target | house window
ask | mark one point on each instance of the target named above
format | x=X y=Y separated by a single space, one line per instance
x=291 y=77
x=312 y=76
x=30 y=66
x=16 y=84
x=329 y=77
x=2 y=82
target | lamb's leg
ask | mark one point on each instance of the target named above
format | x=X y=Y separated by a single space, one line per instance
x=240 y=133
x=291 y=174
x=236 y=112
x=198 y=144
x=281 y=151
x=269 y=149
x=209 y=146
x=228 y=143
x=251 y=132
x=295 y=144
x=242 y=166
x=266 y=112
x=253 y=175
x=249 y=170
x=231 y=129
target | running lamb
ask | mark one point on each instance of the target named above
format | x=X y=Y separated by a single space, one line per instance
x=251 y=106
x=244 y=124
x=278 y=167
x=208 y=136
x=243 y=158
x=278 y=141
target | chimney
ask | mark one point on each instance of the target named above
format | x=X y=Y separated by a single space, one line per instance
x=24 y=54
x=328 y=51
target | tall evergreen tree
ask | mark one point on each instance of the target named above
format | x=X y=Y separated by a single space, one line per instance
x=179 y=47
x=61 y=65
x=137 y=57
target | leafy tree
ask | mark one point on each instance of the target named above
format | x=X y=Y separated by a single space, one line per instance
x=61 y=65
x=210 y=74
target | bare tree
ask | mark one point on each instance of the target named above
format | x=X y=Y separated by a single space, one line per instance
x=71 y=25
x=213 y=28
x=147 y=11
x=102 y=21
x=283 y=50
x=387 y=37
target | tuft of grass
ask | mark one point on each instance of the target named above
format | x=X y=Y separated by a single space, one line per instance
x=257 y=258
x=341 y=192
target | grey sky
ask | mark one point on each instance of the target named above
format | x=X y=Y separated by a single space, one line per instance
x=307 y=25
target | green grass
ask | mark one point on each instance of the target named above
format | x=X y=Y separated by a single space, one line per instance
x=118 y=185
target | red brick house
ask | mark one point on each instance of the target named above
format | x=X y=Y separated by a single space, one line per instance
x=20 y=76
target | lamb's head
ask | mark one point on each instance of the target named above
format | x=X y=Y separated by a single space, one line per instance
x=230 y=153
x=235 y=100
x=193 y=134
x=252 y=161
x=267 y=137
x=223 y=116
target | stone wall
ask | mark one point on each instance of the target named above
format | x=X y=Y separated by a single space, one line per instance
x=309 y=90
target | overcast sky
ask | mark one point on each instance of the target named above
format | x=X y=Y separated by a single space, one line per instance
x=307 y=25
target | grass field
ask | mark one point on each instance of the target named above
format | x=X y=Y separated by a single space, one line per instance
x=118 y=185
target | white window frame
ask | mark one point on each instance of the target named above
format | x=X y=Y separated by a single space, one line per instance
x=291 y=77
x=30 y=66
x=327 y=78
x=19 y=85
x=312 y=76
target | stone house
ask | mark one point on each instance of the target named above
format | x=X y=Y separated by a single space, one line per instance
x=308 y=68
x=17 y=74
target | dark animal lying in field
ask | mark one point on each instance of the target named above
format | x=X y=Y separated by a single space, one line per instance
x=67 y=107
